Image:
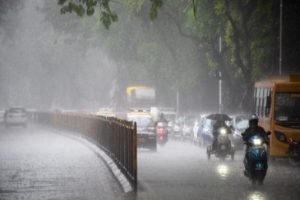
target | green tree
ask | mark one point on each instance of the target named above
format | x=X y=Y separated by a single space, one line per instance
x=246 y=29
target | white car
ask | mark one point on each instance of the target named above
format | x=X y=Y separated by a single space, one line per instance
x=15 y=116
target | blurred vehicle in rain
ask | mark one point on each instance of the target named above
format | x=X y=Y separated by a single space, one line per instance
x=15 y=116
x=277 y=104
x=162 y=132
x=240 y=123
x=256 y=164
x=140 y=96
x=221 y=146
x=106 y=112
x=294 y=152
x=2 y=116
x=187 y=128
x=177 y=130
x=205 y=131
x=170 y=115
x=146 y=133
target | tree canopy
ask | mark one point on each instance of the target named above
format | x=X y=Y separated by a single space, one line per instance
x=235 y=37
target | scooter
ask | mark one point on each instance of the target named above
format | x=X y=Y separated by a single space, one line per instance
x=257 y=163
x=223 y=145
x=162 y=133
x=177 y=131
x=294 y=152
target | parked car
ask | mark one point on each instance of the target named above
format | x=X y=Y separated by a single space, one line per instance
x=15 y=116
x=146 y=132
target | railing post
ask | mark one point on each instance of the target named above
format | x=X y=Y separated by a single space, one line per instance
x=135 y=156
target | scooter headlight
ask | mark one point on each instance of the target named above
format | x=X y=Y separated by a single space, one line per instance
x=257 y=141
x=223 y=131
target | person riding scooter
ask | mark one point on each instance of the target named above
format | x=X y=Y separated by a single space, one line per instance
x=161 y=126
x=251 y=131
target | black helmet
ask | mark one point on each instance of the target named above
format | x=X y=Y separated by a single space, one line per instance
x=253 y=120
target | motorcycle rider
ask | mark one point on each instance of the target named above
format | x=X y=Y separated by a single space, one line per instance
x=253 y=130
x=161 y=119
x=216 y=126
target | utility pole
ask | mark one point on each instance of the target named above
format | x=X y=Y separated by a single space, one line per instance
x=220 y=78
x=220 y=91
x=177 y=104
x=280 y=39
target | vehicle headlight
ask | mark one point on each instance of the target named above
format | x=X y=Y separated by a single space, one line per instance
x=223 y=131
x=280 y=136
x=257 y=141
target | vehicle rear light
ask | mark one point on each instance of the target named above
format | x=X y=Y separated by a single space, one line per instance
x=160 y=131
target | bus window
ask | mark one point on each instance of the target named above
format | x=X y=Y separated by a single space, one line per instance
x=260 y=106
x=287 y=107
x=268 y=103
x=265 y=102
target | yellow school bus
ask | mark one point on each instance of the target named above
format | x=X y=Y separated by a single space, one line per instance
x=277 y=103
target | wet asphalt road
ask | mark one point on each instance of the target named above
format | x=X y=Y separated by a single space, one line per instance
x=39 y=164
x=180 y=170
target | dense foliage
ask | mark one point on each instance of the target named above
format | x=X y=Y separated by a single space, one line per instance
x=174 y=45
x=244 y=27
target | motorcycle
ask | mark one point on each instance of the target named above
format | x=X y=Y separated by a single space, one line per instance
x=294 y=152
x=257 y=163
x=162 y=133
x=177 y=131
x=223 y=146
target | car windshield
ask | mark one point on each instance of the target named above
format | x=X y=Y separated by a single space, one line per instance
x=287 y=107
x=141 y=121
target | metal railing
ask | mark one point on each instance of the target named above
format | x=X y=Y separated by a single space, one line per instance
x=118 y=138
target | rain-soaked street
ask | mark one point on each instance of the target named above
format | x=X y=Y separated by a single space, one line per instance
x=182 y=171
x=40 y=164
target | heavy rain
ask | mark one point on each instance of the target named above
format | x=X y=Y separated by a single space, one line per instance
x=146 y=100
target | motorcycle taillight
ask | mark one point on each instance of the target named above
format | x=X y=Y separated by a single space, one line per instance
x=160 y=131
